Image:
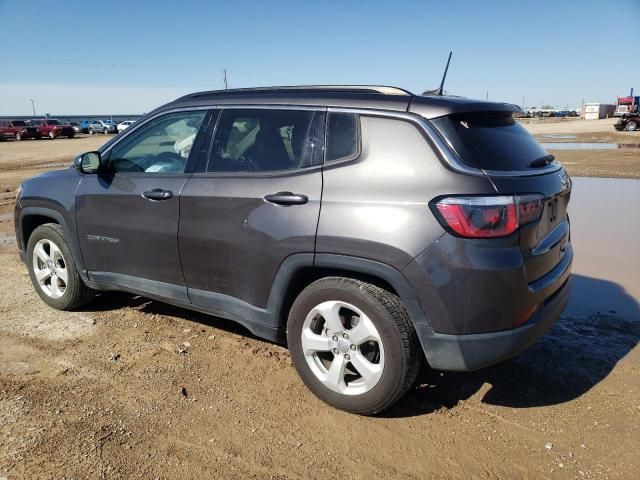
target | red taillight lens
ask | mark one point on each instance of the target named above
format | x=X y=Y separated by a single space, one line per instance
x=529 y=208
x=488 y=217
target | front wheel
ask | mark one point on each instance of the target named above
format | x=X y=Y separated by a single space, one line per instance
x=353 y=344
x=91 y=131
x=631 y=126
x=105 y=131
x=52 y=271
x=52 y=135
x=18 y=136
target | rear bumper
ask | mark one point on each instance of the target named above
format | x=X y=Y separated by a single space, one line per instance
x=483 y=313
x=471 y=352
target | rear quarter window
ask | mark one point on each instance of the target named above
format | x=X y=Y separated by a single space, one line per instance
x=343 y=139
x=490 y=140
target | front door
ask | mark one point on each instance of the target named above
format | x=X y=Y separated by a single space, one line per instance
x=254 y=205
x=127 y=217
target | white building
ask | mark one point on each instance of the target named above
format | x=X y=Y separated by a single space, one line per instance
x=594 y=111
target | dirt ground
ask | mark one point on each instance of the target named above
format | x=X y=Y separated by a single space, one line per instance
x=134 y=388
x=622 y=162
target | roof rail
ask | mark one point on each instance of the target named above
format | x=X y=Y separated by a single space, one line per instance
x=380 y=89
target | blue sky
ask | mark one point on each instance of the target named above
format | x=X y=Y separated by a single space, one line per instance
x=127 y=57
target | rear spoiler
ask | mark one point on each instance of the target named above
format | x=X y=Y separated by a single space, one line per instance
x=429 y=106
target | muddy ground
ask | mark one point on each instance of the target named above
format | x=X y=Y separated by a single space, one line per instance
x=134 y=388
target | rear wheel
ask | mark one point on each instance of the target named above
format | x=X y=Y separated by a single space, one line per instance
x=631 y=126
x=353 y=344
x=52 y=271
x=19 y=136
x=91 y=131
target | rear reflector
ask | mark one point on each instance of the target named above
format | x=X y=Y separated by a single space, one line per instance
x=488 y=217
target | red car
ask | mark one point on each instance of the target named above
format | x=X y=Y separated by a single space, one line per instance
x=17 y=129
x=52 y=128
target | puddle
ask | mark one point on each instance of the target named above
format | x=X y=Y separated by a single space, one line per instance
x=605 y=242
x=558 y=135
x=587 y=146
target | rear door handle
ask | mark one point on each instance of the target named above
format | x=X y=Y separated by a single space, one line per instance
x=158 y=194
x=286 y=198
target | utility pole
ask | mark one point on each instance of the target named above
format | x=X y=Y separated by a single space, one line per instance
x=33 y=106
x=224 y=79
x=487 y=97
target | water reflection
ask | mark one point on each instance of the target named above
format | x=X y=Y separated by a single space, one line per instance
x=587 y=146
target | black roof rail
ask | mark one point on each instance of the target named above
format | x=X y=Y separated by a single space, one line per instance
x=373 y=89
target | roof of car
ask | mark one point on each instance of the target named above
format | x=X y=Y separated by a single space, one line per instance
x=378 y=97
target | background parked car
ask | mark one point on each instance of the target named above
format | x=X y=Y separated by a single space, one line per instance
x=52 y=128
x=84 y=126
x=16 y=129
x=102 y=126
x=122 y=126
x=74 y=125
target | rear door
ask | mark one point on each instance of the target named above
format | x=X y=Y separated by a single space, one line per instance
x=254 y=204
x=127 y=217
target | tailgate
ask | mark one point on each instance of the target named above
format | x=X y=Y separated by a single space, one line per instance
x=543 y=243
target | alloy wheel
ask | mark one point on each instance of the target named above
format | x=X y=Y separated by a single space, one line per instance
x=50 y=268
x=343 y=348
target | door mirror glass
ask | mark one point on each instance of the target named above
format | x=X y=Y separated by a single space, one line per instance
x=88 y=162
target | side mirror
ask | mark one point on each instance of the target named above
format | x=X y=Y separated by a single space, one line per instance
x=88 y=163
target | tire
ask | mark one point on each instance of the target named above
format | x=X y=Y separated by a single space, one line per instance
x=390 y=352
x=91 y=131
x=631 y=126
x=50 y=242
x=105 y=131
x=52 y=135
x=38 y=137
x=18 y=137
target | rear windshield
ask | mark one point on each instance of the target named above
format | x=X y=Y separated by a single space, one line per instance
x=490 y=140
x=53 y=122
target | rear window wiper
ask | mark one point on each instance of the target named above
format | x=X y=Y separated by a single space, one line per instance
x=542 y=161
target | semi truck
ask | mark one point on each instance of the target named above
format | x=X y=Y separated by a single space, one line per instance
x=626 y=105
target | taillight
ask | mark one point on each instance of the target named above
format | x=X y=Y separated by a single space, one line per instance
x=488 y=217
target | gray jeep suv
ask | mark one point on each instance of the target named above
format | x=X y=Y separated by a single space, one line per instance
x=368 y=227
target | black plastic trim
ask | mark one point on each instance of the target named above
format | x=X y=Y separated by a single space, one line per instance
x=59 y=219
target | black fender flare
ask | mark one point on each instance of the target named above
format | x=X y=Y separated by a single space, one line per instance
x=392 y=276
x=373 y=268
x=58 y=218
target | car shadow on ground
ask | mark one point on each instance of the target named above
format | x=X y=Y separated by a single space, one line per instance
x=574 y=356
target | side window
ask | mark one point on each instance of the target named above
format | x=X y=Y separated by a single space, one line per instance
x=162 y=145
x=343 y=140
x=267 y=140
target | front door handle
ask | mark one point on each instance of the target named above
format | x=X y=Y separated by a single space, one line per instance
x=286 y=198
x=158 y=194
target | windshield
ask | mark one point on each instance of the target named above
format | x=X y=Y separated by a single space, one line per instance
x=490 y=140
x=53 y=122
x=19 y=123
